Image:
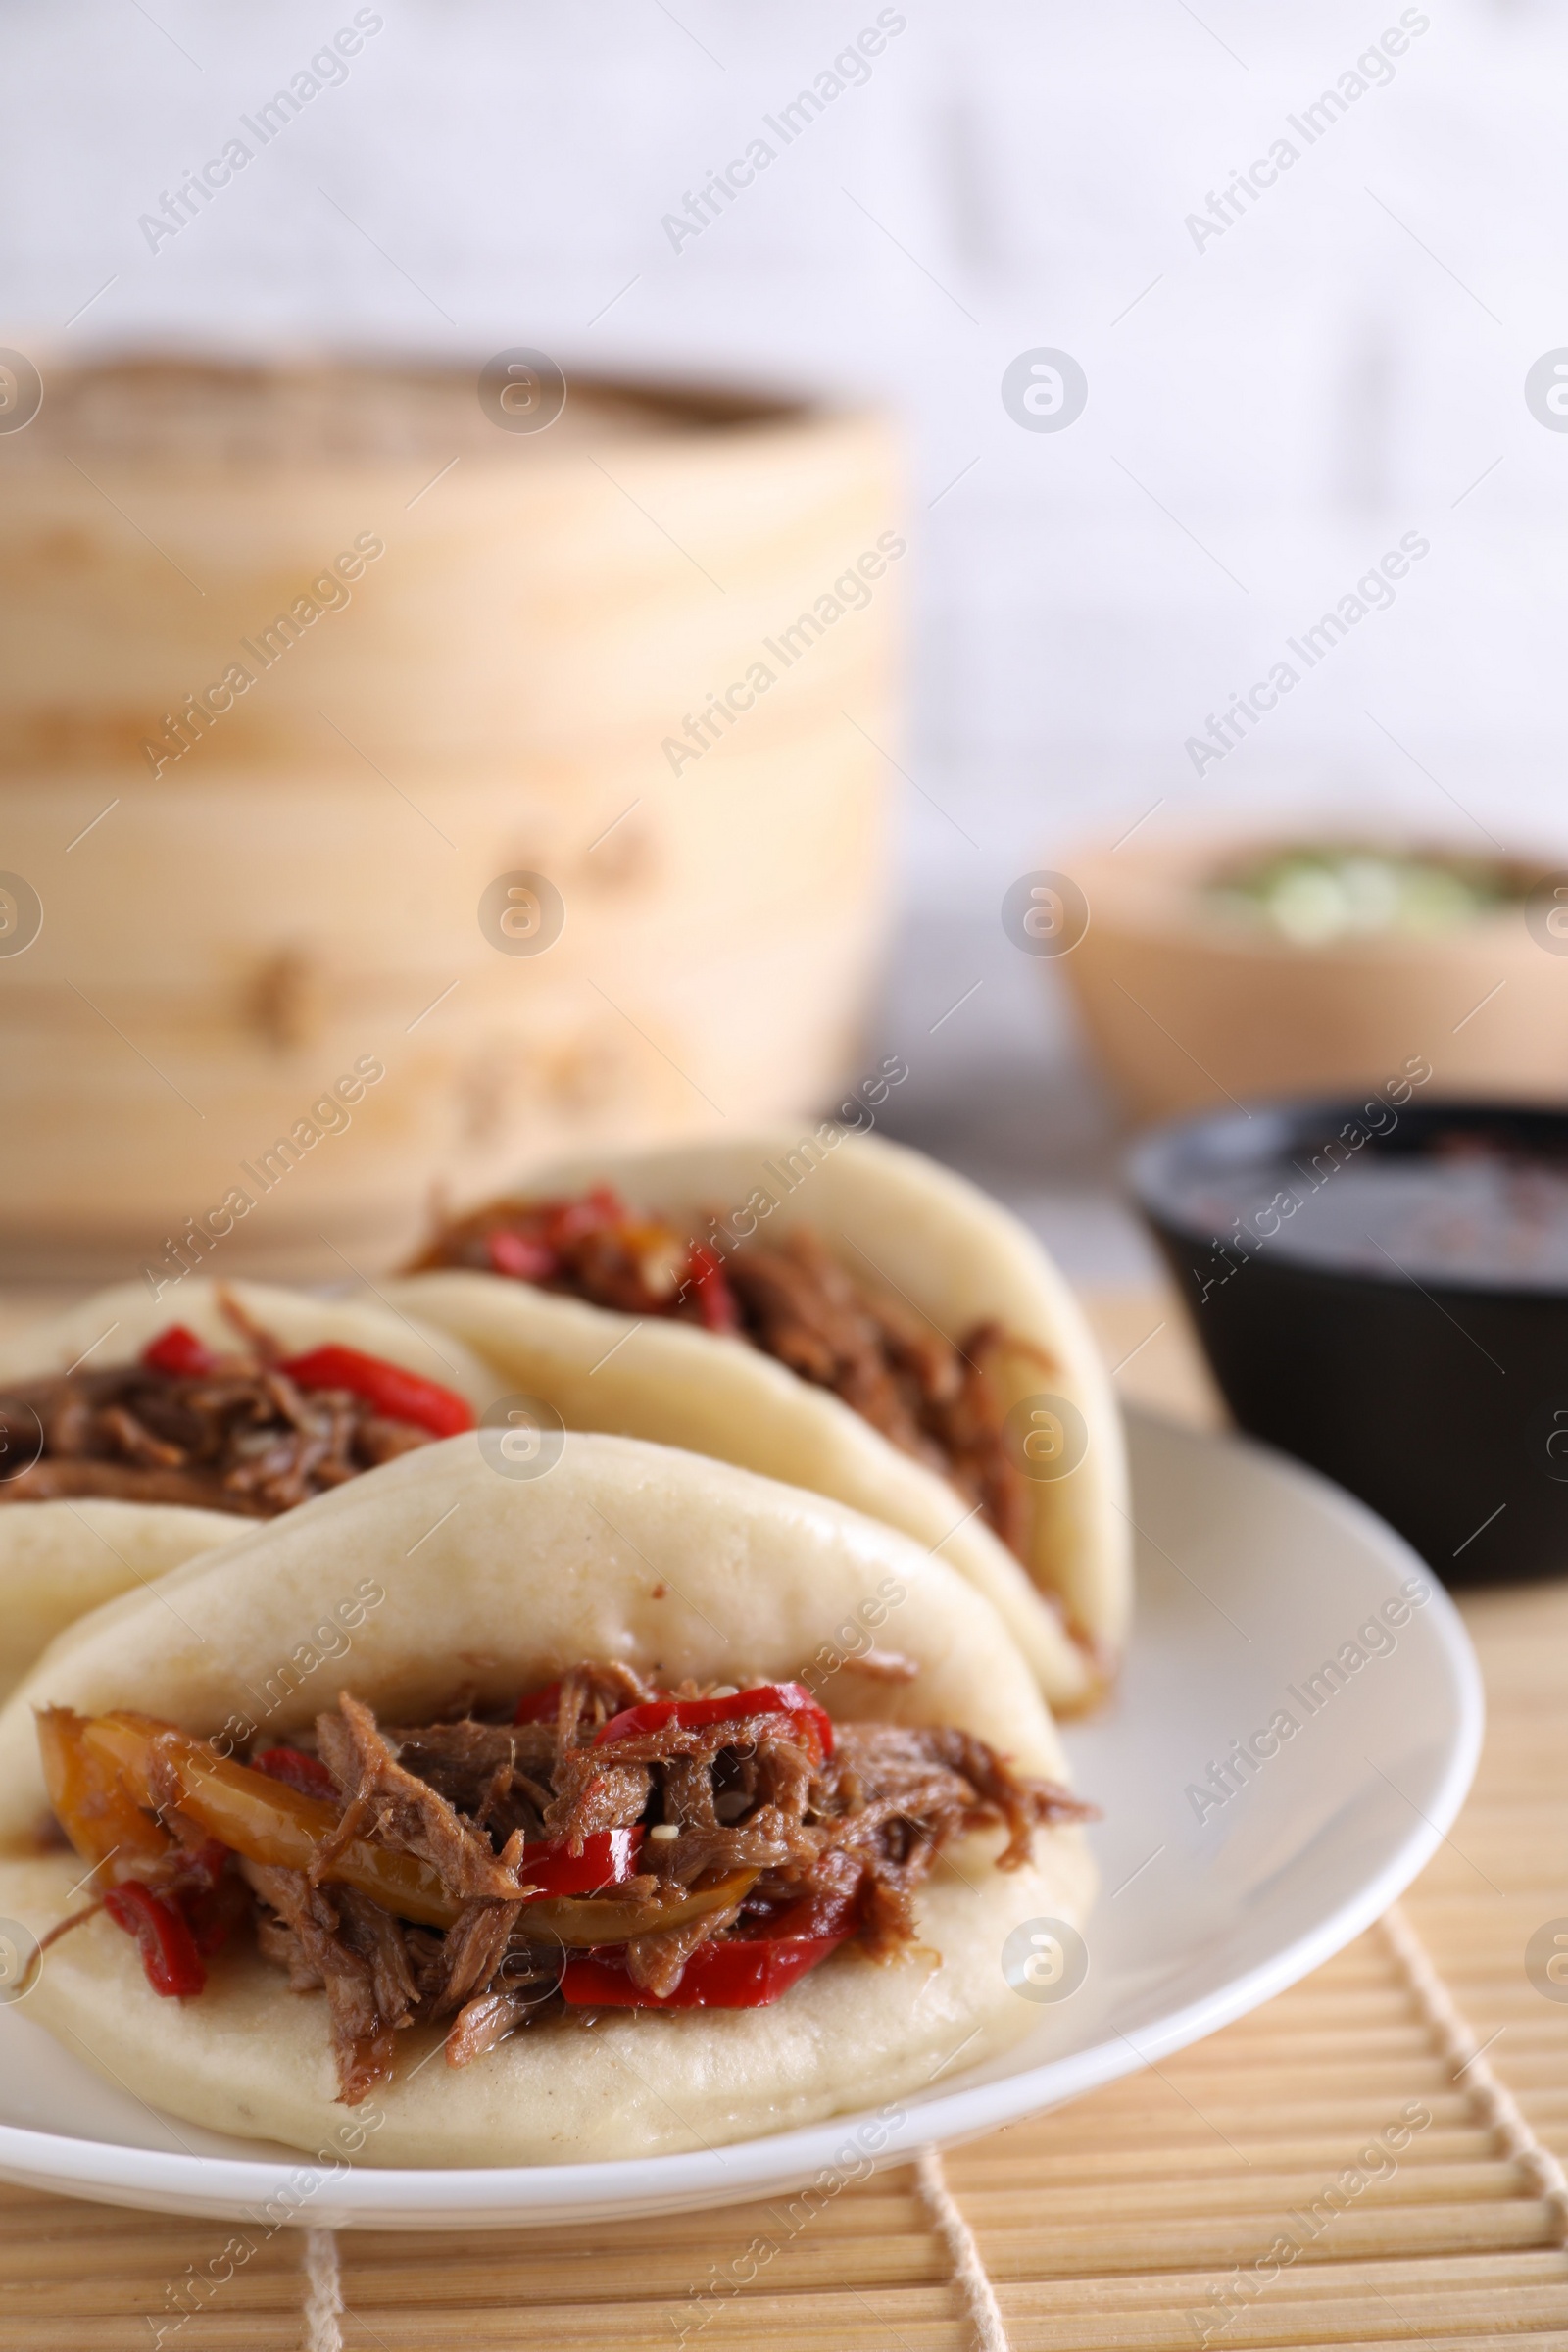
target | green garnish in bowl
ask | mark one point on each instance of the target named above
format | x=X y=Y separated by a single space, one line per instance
x=1317 y=894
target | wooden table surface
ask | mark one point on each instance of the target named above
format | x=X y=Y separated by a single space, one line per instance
x=1240 y=2195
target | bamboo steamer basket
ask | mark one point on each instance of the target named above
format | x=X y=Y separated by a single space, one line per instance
x=300 y=889
x=1186 y=1010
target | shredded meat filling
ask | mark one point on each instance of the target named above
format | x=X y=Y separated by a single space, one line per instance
x=940 y=1401
x=852 y=1836
x=242 y=1438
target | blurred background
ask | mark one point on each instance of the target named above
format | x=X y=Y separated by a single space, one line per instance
x=1035 y=292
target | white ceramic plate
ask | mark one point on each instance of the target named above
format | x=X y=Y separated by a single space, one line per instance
x=1252 y=1572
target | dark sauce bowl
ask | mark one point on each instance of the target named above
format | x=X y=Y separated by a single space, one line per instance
x=1404 y=1328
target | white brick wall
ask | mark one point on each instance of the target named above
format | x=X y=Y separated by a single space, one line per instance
x=1309 y=384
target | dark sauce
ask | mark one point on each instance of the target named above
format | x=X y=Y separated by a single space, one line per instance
x=1466 y=1206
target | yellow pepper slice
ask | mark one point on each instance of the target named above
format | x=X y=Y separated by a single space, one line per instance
x=99 y=1771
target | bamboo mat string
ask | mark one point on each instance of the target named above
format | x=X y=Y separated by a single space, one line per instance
x=1494 y=2105
x=323 y=2292
x=968 y=2269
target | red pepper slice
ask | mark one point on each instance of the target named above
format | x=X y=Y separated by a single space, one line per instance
x=538 y=1707
x=529 y=1244
x=715 y=1300
x=694 y=1714
x=399 y=1395
x=520 y=1255
x=601 y=1208
x=179 y=1353
x=741 y=1972
x=169 y=1951
x=296 y=1770
x=609 y=1858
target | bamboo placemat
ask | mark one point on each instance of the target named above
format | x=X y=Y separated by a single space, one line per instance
x=1226 y=2198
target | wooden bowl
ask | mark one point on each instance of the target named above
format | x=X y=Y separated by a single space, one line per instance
x=511 y=668
x=1186 y=1009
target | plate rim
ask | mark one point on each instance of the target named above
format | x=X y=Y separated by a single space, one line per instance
x=115 y=2172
